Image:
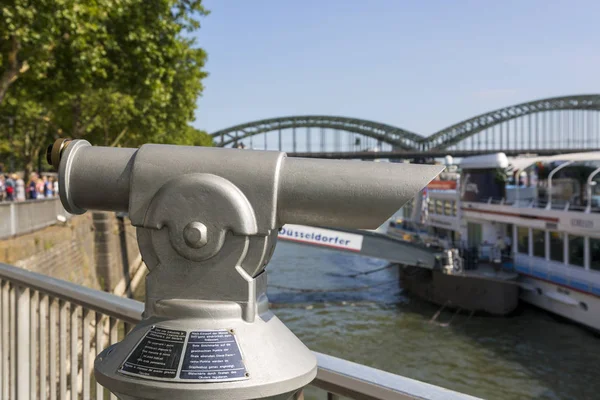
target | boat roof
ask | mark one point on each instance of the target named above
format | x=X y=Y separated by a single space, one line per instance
x=520 y=163
x=496 y=160
x=499 y=160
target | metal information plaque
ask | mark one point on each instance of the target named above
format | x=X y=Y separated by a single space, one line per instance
x=157 y=355
x=208 y=356
x=212 y=356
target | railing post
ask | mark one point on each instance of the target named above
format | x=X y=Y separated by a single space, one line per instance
x=99 y=347
x=33 y=336
x=5 y=393
x=590 y=191
x=12 y=383
x=73 y=352
x=57 y=207
x=13 y=219
x=550 y=176
x=23 y=343
x=62 y=349
x=52 y=377
x=43 y=338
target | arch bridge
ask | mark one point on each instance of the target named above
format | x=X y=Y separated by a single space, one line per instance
x=546 y=126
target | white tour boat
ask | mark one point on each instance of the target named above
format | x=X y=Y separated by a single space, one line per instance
x=539 y=215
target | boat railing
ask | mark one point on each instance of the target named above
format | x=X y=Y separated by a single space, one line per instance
x=53 y=329
x=408 y=226
x=543 y=204
x=487 y=253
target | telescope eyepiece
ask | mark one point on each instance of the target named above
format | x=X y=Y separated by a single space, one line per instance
x=54 y=152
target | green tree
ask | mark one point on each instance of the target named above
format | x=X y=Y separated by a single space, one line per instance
x=116 y=72
x=31 y=130
x=27 y=38
x=188 y=136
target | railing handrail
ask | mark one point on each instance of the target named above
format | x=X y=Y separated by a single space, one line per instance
x=347 y=378
x=335 y=375
x=7 y=203
x=122 y=308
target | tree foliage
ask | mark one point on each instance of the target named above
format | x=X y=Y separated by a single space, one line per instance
x=115 y=72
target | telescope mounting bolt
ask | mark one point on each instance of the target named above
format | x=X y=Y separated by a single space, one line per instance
x=194 y=234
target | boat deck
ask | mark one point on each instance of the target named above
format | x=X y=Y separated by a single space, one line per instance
x=486 y=271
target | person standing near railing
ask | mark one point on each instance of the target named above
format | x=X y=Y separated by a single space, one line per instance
x=9 y=184
x=47 y=187
x=2 y=188
x=19 y=188
x=508 y=242
x=32 y=192
x=500 y=249
x=55 y=186
x=39 y=186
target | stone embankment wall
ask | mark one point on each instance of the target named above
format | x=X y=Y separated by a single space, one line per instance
x=86 y=250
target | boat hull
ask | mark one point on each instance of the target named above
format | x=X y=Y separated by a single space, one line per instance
x=577 y=306
x=495 y=297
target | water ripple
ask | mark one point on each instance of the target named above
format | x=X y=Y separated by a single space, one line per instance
x=528 y=356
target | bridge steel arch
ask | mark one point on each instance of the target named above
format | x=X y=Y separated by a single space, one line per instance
x=397 y=137
x=453 y=134
x=404 y=140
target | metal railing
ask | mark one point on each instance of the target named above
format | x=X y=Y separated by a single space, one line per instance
x=558 y=205
x=51 y=331
x=19 y=217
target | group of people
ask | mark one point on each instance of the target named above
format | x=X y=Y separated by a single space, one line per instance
x=13 y=188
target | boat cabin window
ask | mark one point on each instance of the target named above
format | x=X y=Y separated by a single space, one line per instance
x=539 y=243
x=454 y=208
x=557 y=247
x=576 y=250
x=482 y=184
x=431 y=207
x=439 y=207
x=523 y=240
x=595 y=254
x=448 y=207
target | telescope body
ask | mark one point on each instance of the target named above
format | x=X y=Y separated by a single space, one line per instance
x=345 y=194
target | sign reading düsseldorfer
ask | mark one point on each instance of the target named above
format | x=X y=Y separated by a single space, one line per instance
x=321 y=237
x=157 y=355
x=212 y=356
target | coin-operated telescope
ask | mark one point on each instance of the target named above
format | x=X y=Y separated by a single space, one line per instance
x=207 y=221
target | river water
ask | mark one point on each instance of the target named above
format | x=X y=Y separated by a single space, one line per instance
x=531 y=355
x=368 y=319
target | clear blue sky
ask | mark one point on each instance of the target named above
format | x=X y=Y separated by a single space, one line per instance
x=419 y=65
